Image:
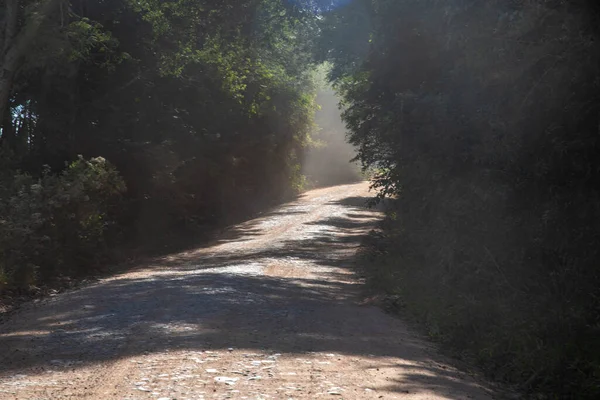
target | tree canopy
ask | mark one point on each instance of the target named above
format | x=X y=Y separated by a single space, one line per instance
x=124 y=119
x=197 y=104
x=482 y=119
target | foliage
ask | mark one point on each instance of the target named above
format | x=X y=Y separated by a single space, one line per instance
x=481 y=118
x=197 y=104
x=56 y=224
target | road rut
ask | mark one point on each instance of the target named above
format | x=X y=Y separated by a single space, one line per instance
x=270 y=310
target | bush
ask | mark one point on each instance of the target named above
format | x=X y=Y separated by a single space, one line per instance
x=491 y=147
x=517 y=299
x=56 y=224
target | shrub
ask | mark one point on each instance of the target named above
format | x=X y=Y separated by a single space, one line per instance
x=491 y=148
x=56 y=224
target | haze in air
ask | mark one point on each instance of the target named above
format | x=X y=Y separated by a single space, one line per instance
x=191 y=156
x=329 y=160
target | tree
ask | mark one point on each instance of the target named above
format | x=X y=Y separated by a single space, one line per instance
x=16 y=41
x=482 y=120
x=198 y=104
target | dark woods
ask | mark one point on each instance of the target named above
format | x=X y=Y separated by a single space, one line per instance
x=482 y=119
x=200 y=111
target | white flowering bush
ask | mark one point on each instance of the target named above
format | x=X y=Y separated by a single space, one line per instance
x=56 y=225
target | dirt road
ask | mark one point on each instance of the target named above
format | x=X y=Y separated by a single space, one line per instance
x=269 y=311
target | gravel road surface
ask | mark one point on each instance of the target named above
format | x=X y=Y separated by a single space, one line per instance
x=270 y=310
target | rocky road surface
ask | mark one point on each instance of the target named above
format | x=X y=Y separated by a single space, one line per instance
x=270 y=310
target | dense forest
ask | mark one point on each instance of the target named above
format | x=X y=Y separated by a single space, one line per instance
x=132 y=119
x=128 y=120
x=482 y=120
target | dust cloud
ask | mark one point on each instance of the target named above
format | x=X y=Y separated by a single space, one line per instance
x=328 y=161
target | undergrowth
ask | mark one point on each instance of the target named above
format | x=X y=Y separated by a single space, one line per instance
x=523 y=326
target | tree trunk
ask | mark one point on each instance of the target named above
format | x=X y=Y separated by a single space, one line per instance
x=6 y=75
x=10 y=24
x=8 y=132
x=16 y=44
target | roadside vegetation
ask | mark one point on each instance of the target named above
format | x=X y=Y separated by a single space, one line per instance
x=481 y=119
x=126 y=122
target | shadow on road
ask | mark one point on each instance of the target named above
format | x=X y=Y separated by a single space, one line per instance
x=206 y=303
